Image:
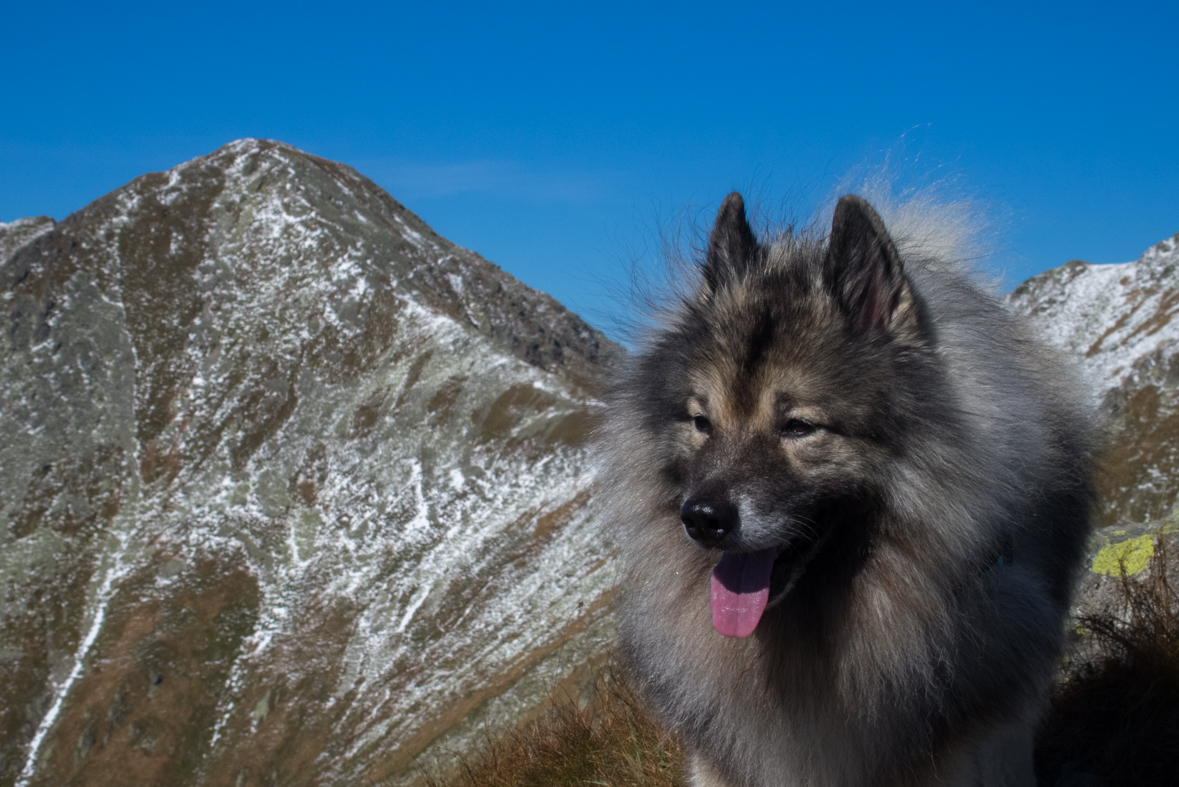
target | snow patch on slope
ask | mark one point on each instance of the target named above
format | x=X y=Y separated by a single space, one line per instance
x=1107 y=316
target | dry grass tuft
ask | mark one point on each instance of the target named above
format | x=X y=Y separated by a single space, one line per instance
x=1115 y=714
x=608 y=741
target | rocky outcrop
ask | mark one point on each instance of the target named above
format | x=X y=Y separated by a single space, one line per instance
x=292 y=489
x=16 y=234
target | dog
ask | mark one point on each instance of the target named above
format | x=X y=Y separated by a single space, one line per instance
x=852 y=494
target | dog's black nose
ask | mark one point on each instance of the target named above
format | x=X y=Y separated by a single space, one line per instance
x=708 y=521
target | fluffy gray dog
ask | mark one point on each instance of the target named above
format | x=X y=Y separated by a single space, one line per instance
x=853 y=495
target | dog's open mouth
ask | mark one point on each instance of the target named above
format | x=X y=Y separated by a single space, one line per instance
x=744 y=584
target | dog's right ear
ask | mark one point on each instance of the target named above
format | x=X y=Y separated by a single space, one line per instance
x=732 y=247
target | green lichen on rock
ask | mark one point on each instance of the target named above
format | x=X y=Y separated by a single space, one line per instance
x=1131 y=557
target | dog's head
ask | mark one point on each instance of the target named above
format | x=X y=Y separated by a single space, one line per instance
x=794 y=368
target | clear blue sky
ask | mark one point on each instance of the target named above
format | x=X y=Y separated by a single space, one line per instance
x=556 y=139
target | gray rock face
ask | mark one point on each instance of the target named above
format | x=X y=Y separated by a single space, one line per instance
x=1118 y=320
x=292 y=489
x=20 y=232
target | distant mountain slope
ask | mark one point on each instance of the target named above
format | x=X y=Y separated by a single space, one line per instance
x=292 y=489
x=1119 y=321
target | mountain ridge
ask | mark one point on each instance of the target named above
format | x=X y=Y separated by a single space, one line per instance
x=293 y=488
x=1118 y=322
x=480 y=298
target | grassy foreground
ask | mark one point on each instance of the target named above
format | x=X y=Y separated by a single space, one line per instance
x=608 y=740
x=1113 y=720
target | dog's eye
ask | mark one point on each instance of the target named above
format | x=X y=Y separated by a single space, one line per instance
x=797 y=428
x=702 y=424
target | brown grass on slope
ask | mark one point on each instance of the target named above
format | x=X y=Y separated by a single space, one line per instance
x=608 y=741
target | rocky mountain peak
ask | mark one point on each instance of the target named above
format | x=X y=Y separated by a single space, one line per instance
x=294 y=490
x=262 y=192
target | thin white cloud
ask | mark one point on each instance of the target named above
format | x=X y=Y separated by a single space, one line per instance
x=506 y=178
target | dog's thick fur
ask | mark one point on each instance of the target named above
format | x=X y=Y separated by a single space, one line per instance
x=916 y=465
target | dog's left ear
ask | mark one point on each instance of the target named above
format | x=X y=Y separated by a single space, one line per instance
x=864 y=272
x=732 y=246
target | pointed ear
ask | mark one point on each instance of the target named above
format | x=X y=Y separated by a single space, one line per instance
x=864 y=272
x=731 y=247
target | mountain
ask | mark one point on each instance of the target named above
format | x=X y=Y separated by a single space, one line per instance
x=292 y=490
x=1119 y=322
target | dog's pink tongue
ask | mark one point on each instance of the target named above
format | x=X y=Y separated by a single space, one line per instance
x=740 y=591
